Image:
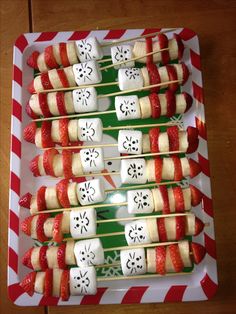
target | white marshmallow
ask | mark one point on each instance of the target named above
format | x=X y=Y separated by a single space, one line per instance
x=130 y=142
x=136 y=232
x=90 y=130
x=130 y=78
x=133 y=171
x=83 y=223
x=120 y=54
x=92 y=159
x=133 y=262
x=85 y=99
x=87 y=73
x=89 y=252
x=91 y=192
x=140 y=201
x=127 y=108
x=83 y=281
x=88 y=49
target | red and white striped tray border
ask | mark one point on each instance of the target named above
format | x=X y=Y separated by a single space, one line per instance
x=184 y=288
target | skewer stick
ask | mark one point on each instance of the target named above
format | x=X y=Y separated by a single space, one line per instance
x=119 y=248
x=104 y=60
x=140 y=186
x=144 y=155
x=120 y=41
x=138 y=126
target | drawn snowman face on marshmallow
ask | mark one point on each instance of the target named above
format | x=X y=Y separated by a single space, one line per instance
x=130 y=142
x=130 y=78
x=140 y=201
x=127 y=108
x=136 y=232
x=89 y=252
x=87 y=73
x=90 y=130
x=92 y=159
x=133 y=171
x=85 y=99
x=83 y=223
x=121 y=54
x=83 y=281
x=91 y=192
x=133 y=262
x=88 y=49
x=87 y=192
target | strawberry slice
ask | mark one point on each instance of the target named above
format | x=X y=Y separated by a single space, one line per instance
x=173 y=136
x=176 y=257
x=32 y=60
x=48 y=282
x=61 y=255
x=40 y=197
x=189 y=101
x=198 y=251
x=185 y=72
x=31 y=88
x=154 y=76
x=46 y=81
x=39 y=227
x=48 y=157
x=25 y=200
x=67 y=163
x=153 y=138
x=34 y=168
x=57 y=232
x=171 y=103
x=43 y=257
x=64 y=291
x=63 y=78
x=160 y=260
x=162 y=229
x=60 y=98
x=26 y=259
x=193 y=141
x=178 y=173
x=63 y=130
x=29 y=132
x=180 y=46
x=26 y=225
x=164 y=42
x=195 y=168
x=49 y=58
x=172 y=74
x=30 y=112
x=46 y=134
x=179 y=199
x=28 y=283
x=149 y=47
x=199 y=226
x=63 y=54
x=62 y=194
x=158 y=169
x=155 y=105
x=43 y=104
x=165 y=198
x=180 y=227
x=196 y=195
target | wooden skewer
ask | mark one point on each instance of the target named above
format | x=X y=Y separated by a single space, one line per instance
x=140 y=186
x=104 y=60
x=143 y=155
x=138 y=126
x=120 y=41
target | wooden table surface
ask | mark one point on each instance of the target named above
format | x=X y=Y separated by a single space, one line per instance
x=214 y=22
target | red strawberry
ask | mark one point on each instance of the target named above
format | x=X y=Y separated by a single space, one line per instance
x=41 y=201
x=32 y=60
x=63 y=54
x=25 y=200
x=158 y=169
x=48 y=157
x=199 y=226
x=62 y=193
x=28 y=283
x=46 y=134
x=43 y=103
x=46 y=81
x=60 y=97
x=178 y=173
x=29 y=132
x=43 y=257
x=34 y=166
x=164 y=42
x=63 y=130
x=63 y=78
x=185 y=73
x=179 y=199
x=48 y=282
x=31 y=88
x=148 y=40
x=172 y=73
x=67 y=163
x=160 y=260
x=161 y=229
x=26 y=259
x=196 y=195
x=39 y=227
x=26 y=225
x=154 y=76
x=153 y=138
x=198 y=251
x=165 y=198
x=189 y=101
x=155 y=105
x=57 y=232
x=180 y=227
x=173 y=136
x=180 y=46
x=30 y=112
x=61 y=255
x=49 y=58
x=64 y=291
x=195 y=168
x=176 y=257
x=171 y=103
x=193 y=140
